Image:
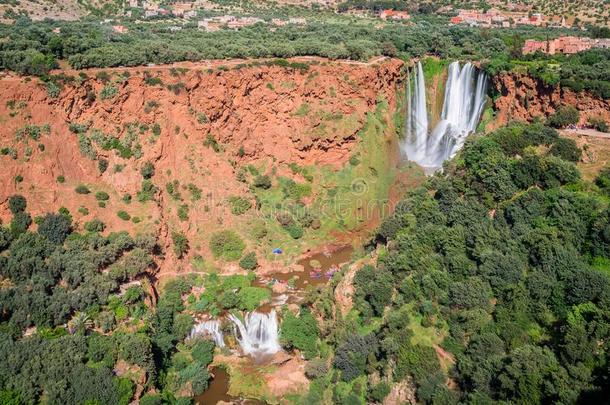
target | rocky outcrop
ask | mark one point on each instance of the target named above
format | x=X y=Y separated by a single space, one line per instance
x=523 y=98
x=199 y=126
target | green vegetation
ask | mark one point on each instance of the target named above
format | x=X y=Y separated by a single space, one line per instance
x=300 y=332
x=64 y=292
x=490 y=275
x=239 y=205
x=181 y=243
x=563 y=117
x=82 y=189
x=124 y=215
x=249 y=261
x=226 y=245
x=230 y=292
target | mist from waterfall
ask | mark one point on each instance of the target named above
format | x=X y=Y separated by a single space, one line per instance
x=465 y=93
x=258 y=334
x=211 y=329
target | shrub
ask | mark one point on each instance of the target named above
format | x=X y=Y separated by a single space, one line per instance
x=108 y=92
x=123 y=215
x=603 y=180
x=226 y=245
x=181 y=243
x=249 y=261
x=102 y=165
x=102 y=196
x=17 y=203
x=301 y=333
x=82 y=189
x=153 y=81
x=239 y=205
x=564 y=116
x=566 y=149
x=598 y=123
x=294 y=230
x=151 y=399
x=147 y=192
x=210 y=142
x=95 y=225
x=250 y=298
x=379 y=392
x=316 y=368
x=262 y=181
x=203 y=352
x=53 y=89
x=20 y=223
x=147 y=170
x=183 y=212
x=55 y=227
x=61 y=179
x=18 y=178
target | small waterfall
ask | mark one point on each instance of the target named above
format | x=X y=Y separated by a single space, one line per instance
x=211 y=329
x=258 y=334
x=463 y=104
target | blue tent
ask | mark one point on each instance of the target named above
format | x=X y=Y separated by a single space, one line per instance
x=277 y=251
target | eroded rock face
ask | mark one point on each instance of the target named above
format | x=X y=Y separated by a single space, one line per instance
x=524 y=98
x=198 y=127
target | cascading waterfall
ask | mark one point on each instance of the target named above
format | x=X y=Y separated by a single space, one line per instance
x=463 y=104
x=258 y=334
x=211 y=329
x=417 y=118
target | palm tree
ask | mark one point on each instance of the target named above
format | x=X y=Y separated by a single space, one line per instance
x=80 y=323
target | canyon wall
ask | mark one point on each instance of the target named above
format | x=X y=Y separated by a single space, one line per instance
x=199 y=126
x=523 y=98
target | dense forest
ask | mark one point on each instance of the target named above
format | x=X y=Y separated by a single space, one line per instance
x=501 y=265
x=66 y=284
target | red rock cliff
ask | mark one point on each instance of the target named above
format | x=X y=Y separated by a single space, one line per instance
x=198 y=126
x=524 y=98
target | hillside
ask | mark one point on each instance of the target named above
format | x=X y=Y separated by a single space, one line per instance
x=197 y=149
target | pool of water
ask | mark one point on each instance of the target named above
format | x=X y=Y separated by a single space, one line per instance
x=217 y=391
x=313 y=276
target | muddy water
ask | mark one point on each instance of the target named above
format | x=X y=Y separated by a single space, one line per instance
x=313 y=276
x=217 y=391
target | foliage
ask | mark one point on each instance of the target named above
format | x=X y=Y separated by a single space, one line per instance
x=249 y=261
x=226 y=245
x=563 y=117
x=262 y=181
x=17 y=203
x=181 y=243
x=147 y=170
x=499 y=261
x=566 y=149
x=55 y=227
x=239 y=205
x=82 y=189
x=300 y=332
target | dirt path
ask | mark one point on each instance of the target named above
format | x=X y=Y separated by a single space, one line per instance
x=585 y=132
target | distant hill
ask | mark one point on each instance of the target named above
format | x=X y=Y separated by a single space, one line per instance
x=57 y=9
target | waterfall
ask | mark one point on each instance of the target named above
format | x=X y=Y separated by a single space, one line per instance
x=465 y=92
x=211 y=329
x=417 y=118
x=258 y=334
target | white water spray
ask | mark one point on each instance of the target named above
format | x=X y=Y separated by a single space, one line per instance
x=210 y=329
x=417 y=118
x=465 y=92
x=258 y=334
